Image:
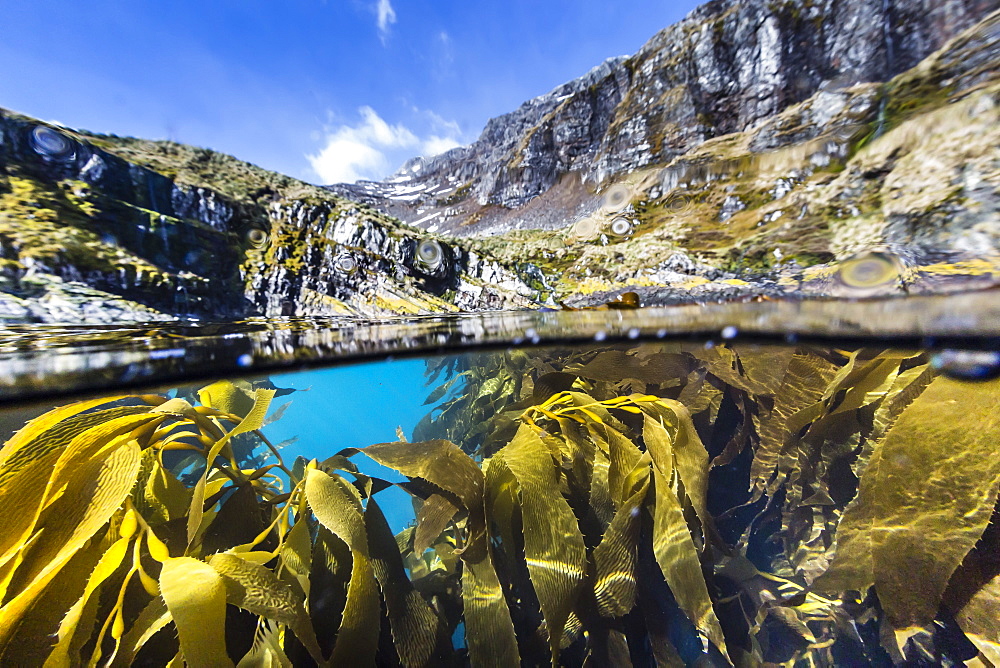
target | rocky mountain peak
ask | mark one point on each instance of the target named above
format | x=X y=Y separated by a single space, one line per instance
x=728 y=66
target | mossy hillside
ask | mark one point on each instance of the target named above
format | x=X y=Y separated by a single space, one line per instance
x=65 y=229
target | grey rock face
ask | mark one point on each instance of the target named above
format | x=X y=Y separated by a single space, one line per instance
x=728 y=66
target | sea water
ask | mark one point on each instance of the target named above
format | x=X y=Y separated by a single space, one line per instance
x=657 y=499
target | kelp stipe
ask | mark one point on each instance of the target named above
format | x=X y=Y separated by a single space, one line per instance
x=601 y=506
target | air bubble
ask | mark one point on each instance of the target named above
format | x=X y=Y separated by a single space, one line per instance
x=244 y=360
x=257 y=237
x=50 y=144
x=585 y=228
x=532 y=335
x=633 y=333
x=345 y=264
x=616 y=198
x=967 y=364
x=729 y=332
x=430 y=255
x=865 y=271
x=600 y=336
x=621 y=226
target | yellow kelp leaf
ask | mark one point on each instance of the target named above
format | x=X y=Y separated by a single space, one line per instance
x=677 y=557
x=254 y=420
x=600 y=491
x=152 y=618
x=553 y=544
x=434 y=516
x=805 y=381
x=227 y=398
x=266 y=651
x=337 y=506
x=87 y=493
x=980 y=619
x=876 y=378
x=296 y=555
x=258 y=590
x=416 y=630
x=23 y=496
x=489 y=630
x=56 y=428
x=165 y=495
x=615 y=558
x=195 y=595
x=923 y=502
x=109 y=563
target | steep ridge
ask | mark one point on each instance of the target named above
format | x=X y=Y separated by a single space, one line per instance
x=701 y=168
x=728 y=66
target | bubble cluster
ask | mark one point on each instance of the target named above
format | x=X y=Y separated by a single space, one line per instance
x=51 y=144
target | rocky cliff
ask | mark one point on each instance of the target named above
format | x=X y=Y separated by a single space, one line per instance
x=728 y=67
x=106 y=229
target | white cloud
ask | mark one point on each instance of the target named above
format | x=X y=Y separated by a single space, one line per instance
x=435 y=145
x=386 y=16
x=373 y=148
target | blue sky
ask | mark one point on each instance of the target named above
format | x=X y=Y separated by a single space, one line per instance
x=322 y=90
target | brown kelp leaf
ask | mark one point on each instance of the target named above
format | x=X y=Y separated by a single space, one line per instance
x=763 y=367
x=336 y=505
x=553 y=544
x=416 y=631
x=805 y=381
x=923 y=502
x=195 y=595
x=440 y=462
x=615 y=558
x=258 y=590
x=435 y=514
x=623 y=455
x=618 y=365
x=674 y=444
x=677 y=557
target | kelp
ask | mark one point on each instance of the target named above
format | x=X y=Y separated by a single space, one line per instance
x=606 y=506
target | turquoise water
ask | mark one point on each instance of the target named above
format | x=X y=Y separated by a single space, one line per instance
x=353 y=407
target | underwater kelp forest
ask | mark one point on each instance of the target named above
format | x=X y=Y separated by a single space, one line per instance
x=649 y=505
